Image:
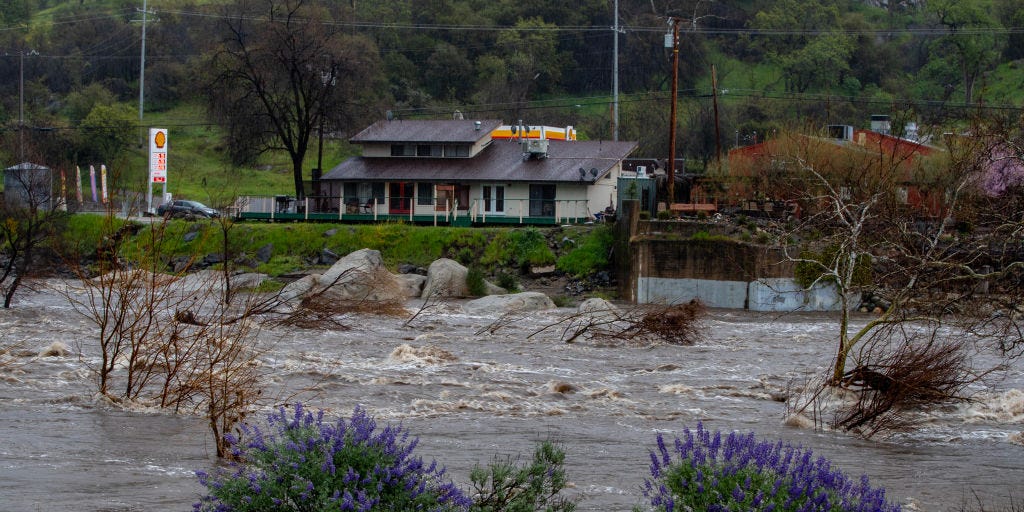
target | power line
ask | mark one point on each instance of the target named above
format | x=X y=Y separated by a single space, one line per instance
x=656 y=28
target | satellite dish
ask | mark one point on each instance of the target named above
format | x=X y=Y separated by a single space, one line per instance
x=593 y=171
x=389 y=115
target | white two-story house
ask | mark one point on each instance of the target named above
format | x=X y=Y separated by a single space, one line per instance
x=460 y=172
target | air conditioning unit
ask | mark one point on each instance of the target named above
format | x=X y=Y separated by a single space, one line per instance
x=535 y=148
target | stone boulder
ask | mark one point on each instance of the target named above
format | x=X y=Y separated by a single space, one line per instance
x=599 y=310
x=497 y=305
x=412 y=284
x=247 y=280
x=447 y=278
x=361 y=275
x=294 y=291
x=213 y=280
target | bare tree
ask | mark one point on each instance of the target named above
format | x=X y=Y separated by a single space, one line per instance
x=170 y=340
x=282 y=71
x=30 y=214
x=921 y=235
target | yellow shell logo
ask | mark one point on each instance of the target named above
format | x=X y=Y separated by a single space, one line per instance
x=160 y=139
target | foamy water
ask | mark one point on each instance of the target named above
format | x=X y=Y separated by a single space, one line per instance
x=471 y=394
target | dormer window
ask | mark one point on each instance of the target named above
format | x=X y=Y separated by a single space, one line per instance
x=456 y=150
x=403 y=150
x=431 y=150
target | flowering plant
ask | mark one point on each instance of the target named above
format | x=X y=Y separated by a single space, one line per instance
x=305 y=463
x=740 y=473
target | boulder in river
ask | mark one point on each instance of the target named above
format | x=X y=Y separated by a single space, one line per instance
x=447 y=278
x=497 y=305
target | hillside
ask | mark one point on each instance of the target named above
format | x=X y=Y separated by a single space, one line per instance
x=939 y=64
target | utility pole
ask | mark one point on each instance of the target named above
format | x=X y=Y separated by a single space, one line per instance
x=21 y=105
x=142 y=102
x=615 y=75
x=718 y=134
x=329 y=80
x=670 y=168
x=142 y=64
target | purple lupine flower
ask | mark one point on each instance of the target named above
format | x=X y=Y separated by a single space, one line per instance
x=350 y=464
x=738 y=494
x=713 y=471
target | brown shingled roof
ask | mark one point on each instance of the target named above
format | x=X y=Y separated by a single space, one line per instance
x=421 y=130
x=501 y=161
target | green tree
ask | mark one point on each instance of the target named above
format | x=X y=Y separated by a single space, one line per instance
x=107 y=131
x=808 y=60
x=78 y=104
x=1011 y=12
x=970 y=48
x=449 y=73
x=527 y=61
x=822 y=62
x=507 y=486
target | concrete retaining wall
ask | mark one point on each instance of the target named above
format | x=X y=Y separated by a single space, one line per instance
x=774 y=294
x=672 y=266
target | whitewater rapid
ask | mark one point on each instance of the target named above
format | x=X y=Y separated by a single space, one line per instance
x=471 y=394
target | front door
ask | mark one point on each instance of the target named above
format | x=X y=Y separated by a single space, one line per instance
x=493 y=199
x=542 y=200
x=400 y=197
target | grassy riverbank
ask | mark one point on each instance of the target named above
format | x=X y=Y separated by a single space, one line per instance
x=280 y=249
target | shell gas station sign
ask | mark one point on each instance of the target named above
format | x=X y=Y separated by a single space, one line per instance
x=158 y=155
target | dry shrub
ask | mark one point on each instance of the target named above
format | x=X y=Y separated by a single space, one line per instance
x=677 y=324
x=892 y=381
x=313 y=312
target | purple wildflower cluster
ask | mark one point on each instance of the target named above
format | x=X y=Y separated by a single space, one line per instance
x=305 y=463
x=738 y=473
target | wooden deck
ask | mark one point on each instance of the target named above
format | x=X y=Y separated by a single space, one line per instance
x=693 y=207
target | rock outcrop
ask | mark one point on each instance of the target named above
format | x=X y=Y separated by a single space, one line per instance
x=497 y=305
x=360 y=276
x=447 y=278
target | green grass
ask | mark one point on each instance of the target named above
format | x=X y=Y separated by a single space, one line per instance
x=742 y=77
x=295 y=245
x=1004 y=85
x=198 y=165
x=590 y=253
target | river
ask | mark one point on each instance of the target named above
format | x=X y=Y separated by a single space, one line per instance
x=470 y=397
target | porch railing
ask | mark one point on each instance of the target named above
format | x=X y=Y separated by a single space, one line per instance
x=523 y=210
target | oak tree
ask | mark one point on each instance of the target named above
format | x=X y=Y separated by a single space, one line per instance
x=283 y=70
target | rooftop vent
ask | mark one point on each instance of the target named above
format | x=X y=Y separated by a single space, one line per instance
x=880 y=124
x=840 y=132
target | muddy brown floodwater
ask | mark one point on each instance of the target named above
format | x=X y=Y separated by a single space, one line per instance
x=470 y=397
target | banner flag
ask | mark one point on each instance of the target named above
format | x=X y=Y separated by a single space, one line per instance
x=92 y=182
x=63 y=190
x=78 y=184
x=103 y=182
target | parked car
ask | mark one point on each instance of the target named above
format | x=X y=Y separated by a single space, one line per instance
x=183 y=208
